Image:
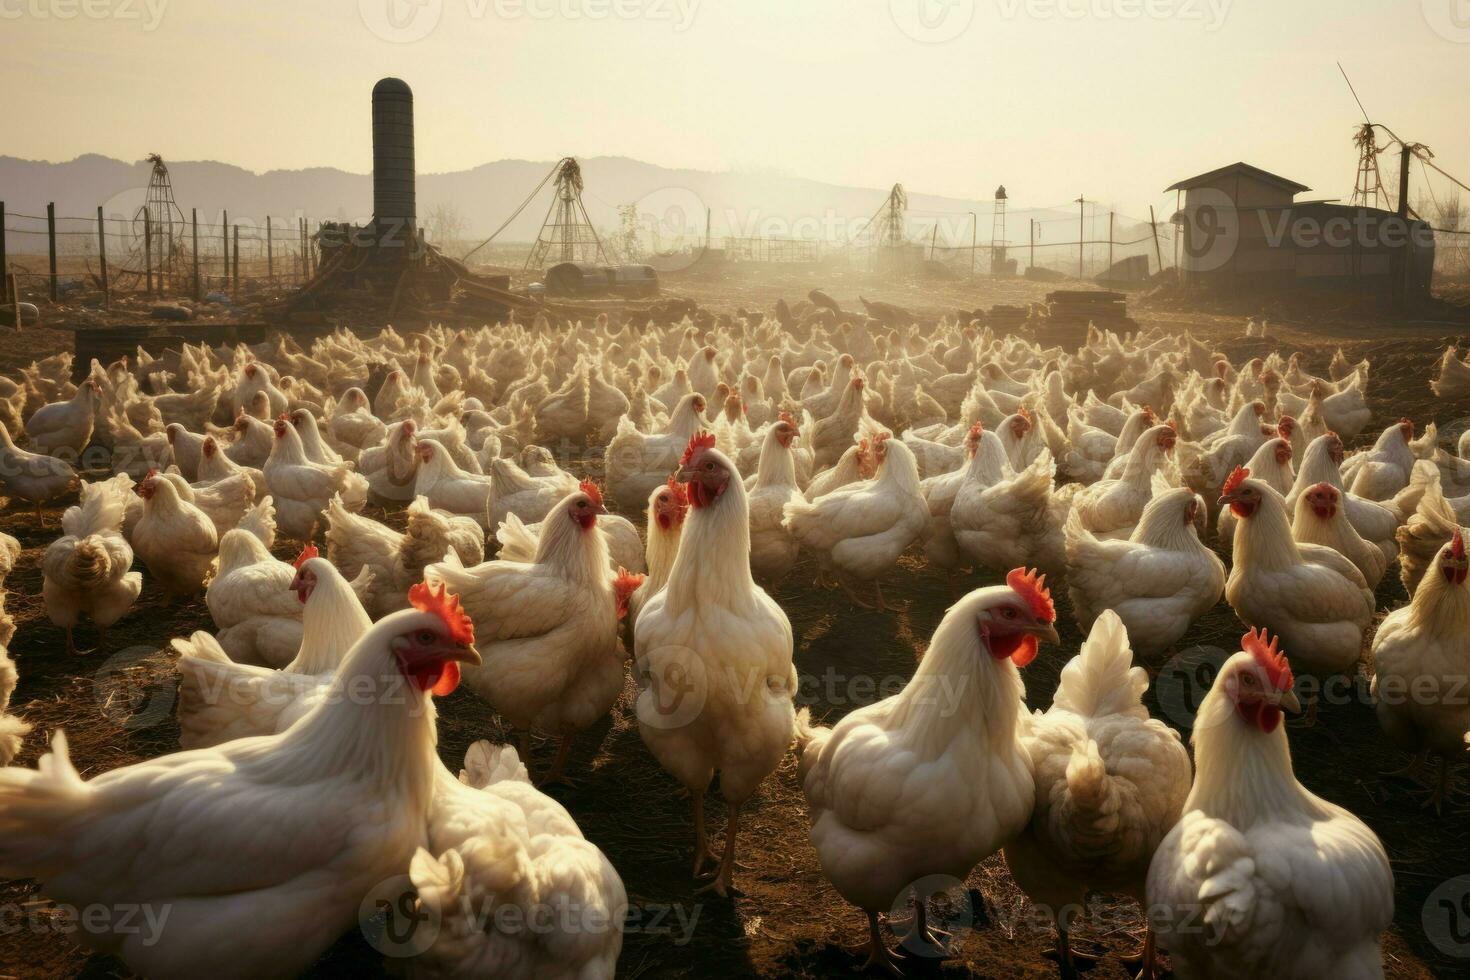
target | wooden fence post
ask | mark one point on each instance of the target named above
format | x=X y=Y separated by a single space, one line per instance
x=1154 y=225
x=4 y=265
x=102 y=258
x=270 y=259
x=194 y=224
x=51 y=244
x=235 y=269
x=148 y=249
x=224 y=234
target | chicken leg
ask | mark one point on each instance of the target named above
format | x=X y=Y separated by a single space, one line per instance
x=1067 y=958
x=554 y=774
x=702 y=853
x=720 y=881
x=878 y=953
x=71 y=646
x=924 y=937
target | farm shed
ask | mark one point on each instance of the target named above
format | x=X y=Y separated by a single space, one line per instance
x=1242 y=230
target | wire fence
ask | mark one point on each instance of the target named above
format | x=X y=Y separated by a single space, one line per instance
x=192 y=255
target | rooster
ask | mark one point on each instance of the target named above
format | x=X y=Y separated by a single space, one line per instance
x=1421 y=655
x=87 y=571
x=1110 y=783
x=200 y=832
x=1261 y=878
x=714 y=655
x=899 y=790
x=552 y=658
x=220 y=699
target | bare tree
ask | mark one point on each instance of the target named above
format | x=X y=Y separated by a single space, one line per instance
x=444 y=225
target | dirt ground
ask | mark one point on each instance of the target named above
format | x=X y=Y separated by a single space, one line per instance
x=785 y=920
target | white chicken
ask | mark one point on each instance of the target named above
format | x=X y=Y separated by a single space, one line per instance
x=63 y=429
x=772 y=548
x=553 y=662
x=239 y=904
x=861 y=529
x=1110 y=783
x=502 y=843
x=88 y=571
x=900 y=790
x=175 y=539
x=668 y=506
x=1421 y=655
x=33 y=477
x=220 y=699
x=449 y=488
x=714 y=656
x=1309 y=594
x=1260 y=877
x=1158 y=581
x=397 y=561
x=302 y=489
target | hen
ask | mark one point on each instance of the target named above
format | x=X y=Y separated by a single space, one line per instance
x=1309 y=594
x=355 y=543
x=220 y=699
x=175 y=539
x=87 y=571
x=33 y=477
x=501 y=843
x=862 y=529
x=772 y=549
x=1261 y=878
x=552 y=658
x=899 y=790
x=301 y=489
x=200 y=832
x=1421 y=655
x=1110 y=783
x=1158 y=581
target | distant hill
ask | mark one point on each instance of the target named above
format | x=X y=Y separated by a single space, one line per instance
x=670 y=202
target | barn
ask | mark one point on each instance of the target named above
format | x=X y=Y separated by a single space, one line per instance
x=1241 y=231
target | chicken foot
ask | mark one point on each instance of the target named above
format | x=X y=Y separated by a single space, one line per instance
x=1067 y=958
x=720 y=882
x=922 y=934
x=879 y=954
x=1145 y=958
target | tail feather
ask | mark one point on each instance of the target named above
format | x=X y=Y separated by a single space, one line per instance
x=486 y=764
x=33 y=802
x=517 y=542
x=1101 y=679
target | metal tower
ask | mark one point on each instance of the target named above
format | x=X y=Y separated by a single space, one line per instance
x=889 y=224
x=567 y=231
x=159 y=226
x=1368 y=185
x=998 y=233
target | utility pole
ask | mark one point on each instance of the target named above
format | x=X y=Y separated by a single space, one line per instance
x=1033 y=243
x=1081 y=236
x=974 y=221
x=1110 y=239
x=1154 y=226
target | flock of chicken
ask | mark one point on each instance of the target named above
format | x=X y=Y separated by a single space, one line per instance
x=306 y=716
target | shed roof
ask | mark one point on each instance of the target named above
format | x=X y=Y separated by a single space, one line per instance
x=1238 y=167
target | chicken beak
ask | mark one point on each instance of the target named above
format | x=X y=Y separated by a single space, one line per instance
x=1225 y=498
x=466 y=653
x=1045 y=631
x=1288 y=700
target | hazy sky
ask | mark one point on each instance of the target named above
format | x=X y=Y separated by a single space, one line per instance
x=1112 y=98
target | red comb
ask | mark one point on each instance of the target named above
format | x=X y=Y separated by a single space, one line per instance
x=786 y=417
x=1234 y=480
x=307 y=554
x=1149 y=416
x=1032 y=587
x=680 y=492
x=1285 y=425
x=624 y=586
x=1457 y=545
x=592 y=490
x=1267 y=652
x=446 y=607
x=701 y=440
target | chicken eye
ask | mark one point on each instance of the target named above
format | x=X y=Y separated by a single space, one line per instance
x=709 y=466
x=426 y=637
x=1008 y=612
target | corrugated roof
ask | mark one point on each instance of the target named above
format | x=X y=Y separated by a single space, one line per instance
x=1238 y=167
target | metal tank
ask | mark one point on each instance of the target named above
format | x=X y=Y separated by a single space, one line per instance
x=393 y=172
